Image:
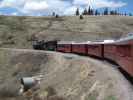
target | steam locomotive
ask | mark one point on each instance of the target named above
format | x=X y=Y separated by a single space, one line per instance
x=119 y=51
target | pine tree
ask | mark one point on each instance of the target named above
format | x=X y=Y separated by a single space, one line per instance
x=106 y=11
x=115 y=12
x=85 y=12
x=77 y=12
x=96 y=12
x=130 y=14
x=92 y=12
x=112 y=12
x=125 y=14
x=89 y=10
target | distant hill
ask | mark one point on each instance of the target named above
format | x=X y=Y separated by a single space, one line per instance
x=19 y=31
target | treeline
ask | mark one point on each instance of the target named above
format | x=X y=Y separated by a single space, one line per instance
x=96 y=12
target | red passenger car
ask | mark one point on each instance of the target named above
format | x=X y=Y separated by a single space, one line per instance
x=121 y=51
x=64 y=46
x=95 y=49
x=124 y=54
x=110 y=51
x=79 y=48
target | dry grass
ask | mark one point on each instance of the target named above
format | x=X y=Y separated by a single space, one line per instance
x=69 y=76
x=48 y=94
x=64 y=78
x=19 y=31
x=9 y=88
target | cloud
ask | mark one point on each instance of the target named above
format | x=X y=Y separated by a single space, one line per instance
x=99 y=3
x=71 y=10
x=5 y=4
x=58 y=6
x=109 y=4
x=46 y=7
x=35 y=6
x=81 y=2
x=11 y=3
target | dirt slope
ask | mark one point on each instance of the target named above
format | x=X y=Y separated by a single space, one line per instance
x=69 y=76
x=19 y=31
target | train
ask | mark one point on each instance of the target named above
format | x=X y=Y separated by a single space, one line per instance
x=119 y=51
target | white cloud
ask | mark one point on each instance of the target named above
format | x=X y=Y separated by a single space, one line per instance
x=81 y=2
x=58 y=6
x=6 y=4
x=110 y=4
x=35 y=6
x=45 y=7
x=11 y=3
x=99 y=3
x=71 y=10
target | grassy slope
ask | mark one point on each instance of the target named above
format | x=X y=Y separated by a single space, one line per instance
x=17 y=31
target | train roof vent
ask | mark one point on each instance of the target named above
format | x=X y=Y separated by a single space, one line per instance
x=108 y=41
x=88 y=41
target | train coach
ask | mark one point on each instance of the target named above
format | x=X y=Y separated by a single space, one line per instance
x=64 y=46
x=124 y=54
x=79 y=48
x=110 y=51
x=95 y=49
x=120 y=51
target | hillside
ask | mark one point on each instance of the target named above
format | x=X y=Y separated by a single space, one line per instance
x=69 y=76
x=18 y=32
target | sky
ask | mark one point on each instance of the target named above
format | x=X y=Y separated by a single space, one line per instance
x=61 y=7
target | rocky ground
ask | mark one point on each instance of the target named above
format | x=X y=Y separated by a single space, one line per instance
x=66 y=77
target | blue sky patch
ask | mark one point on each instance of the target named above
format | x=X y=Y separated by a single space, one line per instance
x=62 y=7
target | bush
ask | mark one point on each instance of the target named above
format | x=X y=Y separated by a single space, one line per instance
x=81 y=17
x=57 y=16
